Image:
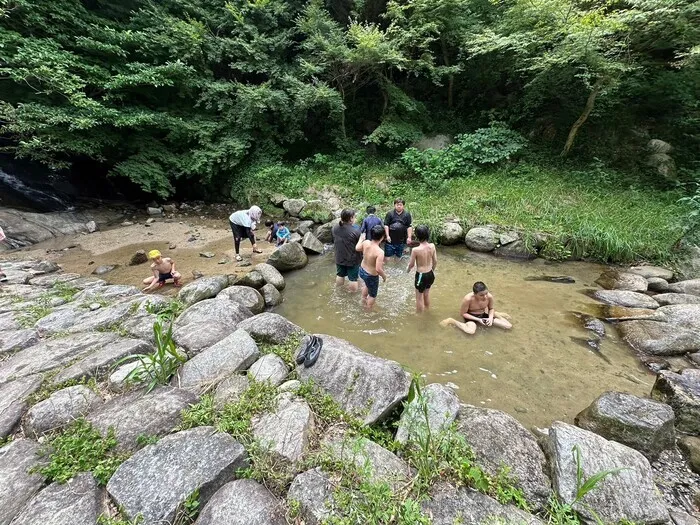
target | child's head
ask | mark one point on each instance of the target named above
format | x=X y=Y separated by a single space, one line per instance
x=480 y=288
x=422 y=233
x=371 y=209
x=269 y=223
x=281 y=224
x=154 y=255
x=347 y=215
x=377 y=232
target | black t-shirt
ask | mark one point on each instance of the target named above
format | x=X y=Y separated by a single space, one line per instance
x=398 y=226
x=345 y=239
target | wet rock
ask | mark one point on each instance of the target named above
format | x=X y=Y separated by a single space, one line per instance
x=271 y=275
x=498 y=439
x=305 y=227
x=616 y=280
x=324 y=233
x=206 y=323
x=658 y=338
x=622 y=313
x=564 y=279
x=311 y=244
x=159 y=478
x=690 y=445
x=18 y=479
x=60 y=409
x=134 y=414
x=442 y=406
x=230 y=390
x=271 y=295
x=313 y=492
x=625 y=298
x=451 y=233
x=270 y=368
x=77 y=501
x=657 y=284
x=649 y=272
x=448 y=505
x=361 y=383
x=629 y=494
x=290 y=256
x=244 y=295
x=687 y=315
x=207 y=255
x=14 y=340
x=294 y=206
x=270 y=327
x=665 y=299
x=230 y=355
x=243 y=502
x=481 y=239
x=316 y=211
x=691 y=287
x=682 y=393
x=105 y=268
x=13 y=401
x=204 y=288
x=286 y=432
x=516 y=250
x=26 y=228
x=139 y=257
x=595 y=325
x=642 y=424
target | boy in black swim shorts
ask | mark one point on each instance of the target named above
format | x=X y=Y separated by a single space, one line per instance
x=424 y=258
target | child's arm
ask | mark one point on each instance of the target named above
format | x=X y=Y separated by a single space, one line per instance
x=489 y=321
x=359 y=246
x=434 y=256
x=154 y=282
x=172 y=265
x=412 y=262
x=379 y=265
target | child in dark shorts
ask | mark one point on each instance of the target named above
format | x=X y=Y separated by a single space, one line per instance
x=424 y=258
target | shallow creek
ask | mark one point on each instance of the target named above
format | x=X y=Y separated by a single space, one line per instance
x=535 y=371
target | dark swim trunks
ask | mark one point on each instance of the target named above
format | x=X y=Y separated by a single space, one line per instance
x=162 y=277
x=371 y=282
x=424 y=281
x=482 y=315
x=350 y=272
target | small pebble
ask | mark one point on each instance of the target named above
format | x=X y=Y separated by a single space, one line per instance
x=94 y=306
x=451 y=385
x=172 y=246
x=150 y=221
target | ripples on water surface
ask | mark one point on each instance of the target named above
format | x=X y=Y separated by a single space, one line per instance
x=534 y=372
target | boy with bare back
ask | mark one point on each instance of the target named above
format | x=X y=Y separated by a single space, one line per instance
x=424 y=258
x=372 y=265
x=163 y=269
x=477 y=309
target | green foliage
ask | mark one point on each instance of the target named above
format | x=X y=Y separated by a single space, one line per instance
x=104 y=519
x=188 y=511
x=48 y=387
x=81 y=448
x=285 y=351
x=31 y=313
x=165 y=312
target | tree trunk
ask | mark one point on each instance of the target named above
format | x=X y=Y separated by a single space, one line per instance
x=451 y=78
x=586 y=112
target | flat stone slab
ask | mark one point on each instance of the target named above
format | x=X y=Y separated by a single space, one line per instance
x=243 y=502
x=622 y=313
x=17 y=485
x=665 y=299
x=50 y=280
x=13 y=404
x=659 y=338
x=8 y=322
x=269 y=368
x=362 y=384
x=60 y=320
x=629 y=494
x=230 y=390
x=135 y=414
x=682 y=393
x=642 y=424
x=60 y=409
x=203 y=288
x=625 y=298
x=109 y=292
x=442 y=405
x=206 y=323
x=497 y=439
x=77 y=501
x=230 y=355
x=160 y=477
x=448 y=505
x=112 y=316
x=313 y=493
x=270 y=327
x=616 y=280
x=691 y=286
x=271 y=275
x=286 y=432
x=651 y=271
x=53 y=353
x=244 y=295
x=15 y=340
x=687 y=315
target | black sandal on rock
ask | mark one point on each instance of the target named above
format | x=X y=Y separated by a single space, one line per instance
x=314 y=352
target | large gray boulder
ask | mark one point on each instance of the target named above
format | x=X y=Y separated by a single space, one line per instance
x=77 y=501
x=159 y=478
x=324 y=233
x=516 y=250
x=311 y=244
x=664 y=299
x=682 y=393
x=442 y=406
x=451 y=233
x=269 y=368
x=290 y=256
x=13 y=401
x=286 y=432
x=204 y=288
x=622 y=313
x=497 y=439
x=271 y=275
x=652 y=271
x=625 y=298
x=658 y=338
x=230 y=355
x=481 y=239
x=312 y=492
x=244 y=295
x=317 y=211
x=230 y=390
x=365 y=385
x=448 y=505
x=270 y=327
x=304 y=226
x=294 y=206
x=60 y=409
x=135 y=414
x=15 y=340
x=53 y=353
x=657 y=284
x=253 y=278
x=629 y=494
x=24 y=228
x=19 y=480
x=206 y=323
x=642 y=424
x=617 y=280
x=691 y=286
x=271 y=295
x=243 y=502
x=687 y=315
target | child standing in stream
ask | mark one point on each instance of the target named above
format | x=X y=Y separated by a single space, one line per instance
x=424 y=258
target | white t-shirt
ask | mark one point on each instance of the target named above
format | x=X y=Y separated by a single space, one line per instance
x=242 y=218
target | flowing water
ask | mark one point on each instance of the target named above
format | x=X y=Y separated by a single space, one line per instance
x=535 y=371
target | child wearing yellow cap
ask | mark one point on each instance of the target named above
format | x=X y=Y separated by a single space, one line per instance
x=163 y=269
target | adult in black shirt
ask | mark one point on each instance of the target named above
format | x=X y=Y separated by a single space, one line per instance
x=397 y=227
x=347 y=260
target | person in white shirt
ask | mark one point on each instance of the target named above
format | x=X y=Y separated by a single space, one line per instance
x=243 y=223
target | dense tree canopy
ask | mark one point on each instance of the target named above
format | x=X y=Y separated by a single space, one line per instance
x=163 y=92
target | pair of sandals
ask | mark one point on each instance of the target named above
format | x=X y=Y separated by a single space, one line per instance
x=310 y=350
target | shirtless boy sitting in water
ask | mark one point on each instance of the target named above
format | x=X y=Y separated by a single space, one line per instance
x=372 y=265
x=477 y=309
x=163 y=269
x=424 y=258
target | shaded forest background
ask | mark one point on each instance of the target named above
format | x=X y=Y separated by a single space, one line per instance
x=183 y=95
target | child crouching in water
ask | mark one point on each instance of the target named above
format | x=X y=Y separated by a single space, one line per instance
x=163 y=269
x=424 y=258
